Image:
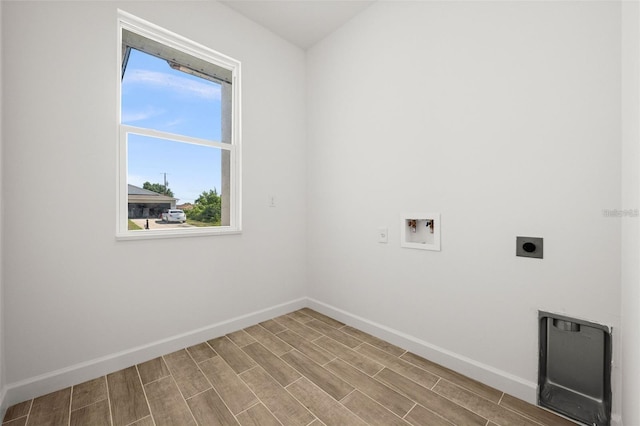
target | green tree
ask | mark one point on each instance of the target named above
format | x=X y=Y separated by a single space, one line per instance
x=159 y=188
x=207 y=207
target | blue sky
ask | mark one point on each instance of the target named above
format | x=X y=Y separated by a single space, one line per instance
x=158 y=97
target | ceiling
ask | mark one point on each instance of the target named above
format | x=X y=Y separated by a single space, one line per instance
x=302 y=22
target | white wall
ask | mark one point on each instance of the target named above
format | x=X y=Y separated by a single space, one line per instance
x=630 y=200
x=73 y=293
x=505 y=118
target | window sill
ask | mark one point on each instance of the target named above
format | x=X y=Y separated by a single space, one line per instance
x=150 y=234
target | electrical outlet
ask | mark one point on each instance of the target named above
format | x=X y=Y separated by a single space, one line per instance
x=529 y=247
x=272 y=200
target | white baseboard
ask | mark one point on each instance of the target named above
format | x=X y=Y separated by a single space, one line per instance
x=33 y=387
x=501 y=380
x=49 y=382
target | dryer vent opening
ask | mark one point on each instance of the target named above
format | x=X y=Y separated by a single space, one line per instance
x=574 y=375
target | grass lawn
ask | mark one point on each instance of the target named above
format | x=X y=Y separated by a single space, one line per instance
x=133 y=226
x=202 y=224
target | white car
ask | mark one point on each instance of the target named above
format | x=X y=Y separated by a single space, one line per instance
x=174 y=216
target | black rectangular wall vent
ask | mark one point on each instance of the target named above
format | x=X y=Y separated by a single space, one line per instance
x=574 y=374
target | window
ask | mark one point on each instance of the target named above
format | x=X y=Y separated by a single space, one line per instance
x=179 y=139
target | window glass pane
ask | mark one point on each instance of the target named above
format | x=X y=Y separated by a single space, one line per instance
x=156 y=96
x=178 y=151
x=193 y=176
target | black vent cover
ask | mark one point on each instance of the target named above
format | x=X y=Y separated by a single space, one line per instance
x=574 y=375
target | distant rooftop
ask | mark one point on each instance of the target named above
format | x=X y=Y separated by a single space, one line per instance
x=136 y=190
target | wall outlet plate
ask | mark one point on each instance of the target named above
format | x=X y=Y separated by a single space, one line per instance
x=383 y=235
x=529 y=247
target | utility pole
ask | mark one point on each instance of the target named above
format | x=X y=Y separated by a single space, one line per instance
x=165 y=182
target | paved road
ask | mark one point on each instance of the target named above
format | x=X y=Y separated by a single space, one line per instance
x=159 y=224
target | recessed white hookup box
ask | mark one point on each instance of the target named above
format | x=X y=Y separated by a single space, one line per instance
x=420 y=231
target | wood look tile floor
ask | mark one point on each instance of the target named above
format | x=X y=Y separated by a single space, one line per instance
x=303 y=368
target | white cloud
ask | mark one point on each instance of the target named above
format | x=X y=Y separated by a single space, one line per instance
x=175 y=122
x=175 y=83
x=133 y=116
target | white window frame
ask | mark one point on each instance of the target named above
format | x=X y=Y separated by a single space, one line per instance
x=175 y=41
